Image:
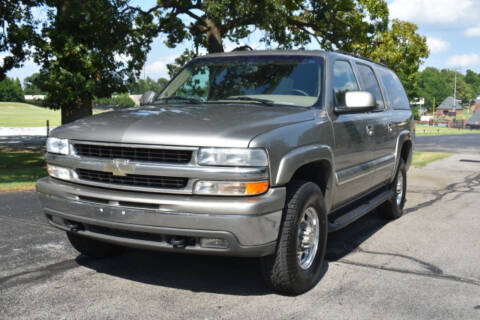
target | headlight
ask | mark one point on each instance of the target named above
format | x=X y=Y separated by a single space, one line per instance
x=234 y=157
x=227 y=188
x=58 y=172
x=56 y=145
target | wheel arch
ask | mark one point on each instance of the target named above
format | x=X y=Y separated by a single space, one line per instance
x=403 y=151
x=309 y=163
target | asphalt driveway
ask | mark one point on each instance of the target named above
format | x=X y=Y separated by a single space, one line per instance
x=424 y=265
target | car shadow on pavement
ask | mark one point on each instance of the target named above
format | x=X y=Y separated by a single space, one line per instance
x=346 y=240
x=223 y=275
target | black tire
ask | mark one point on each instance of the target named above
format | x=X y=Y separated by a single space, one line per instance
x=93 y=248
x=282 y=271
x=393 y=209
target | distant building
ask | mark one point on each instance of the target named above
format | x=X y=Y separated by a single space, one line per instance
x=477 y=104
x=474 y=121
x=33 y=97
x=447 y=107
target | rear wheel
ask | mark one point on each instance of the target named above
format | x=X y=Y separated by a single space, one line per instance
x=393 y=208
x=93 y=248
x=297 y=263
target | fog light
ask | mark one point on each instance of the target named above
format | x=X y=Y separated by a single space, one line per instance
x=58 y=172
x=214 y=243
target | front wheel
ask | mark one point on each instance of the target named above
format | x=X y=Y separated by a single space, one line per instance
x=297 y=263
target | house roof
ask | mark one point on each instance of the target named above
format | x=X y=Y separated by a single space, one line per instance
x=475 y=119
x=447 y=104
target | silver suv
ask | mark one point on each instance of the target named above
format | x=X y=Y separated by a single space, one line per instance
x=254 y=154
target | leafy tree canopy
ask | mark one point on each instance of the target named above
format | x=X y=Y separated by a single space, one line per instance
x=11 y=90
x=86 y=49
x=144 y=85
x=402 y=49
x=289 y=23
x=435 y=85
x=30 y=85
x=16 y=28
x=92 y=48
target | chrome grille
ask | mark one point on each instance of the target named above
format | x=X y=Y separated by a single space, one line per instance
x=133 y=153
x=133 y=180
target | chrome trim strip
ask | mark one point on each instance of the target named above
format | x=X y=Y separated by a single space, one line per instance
x=356 y=172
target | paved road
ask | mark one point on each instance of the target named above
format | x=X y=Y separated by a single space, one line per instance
x=422 y=266
x=462 y=143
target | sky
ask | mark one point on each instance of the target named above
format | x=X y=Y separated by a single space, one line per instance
x=452 y=28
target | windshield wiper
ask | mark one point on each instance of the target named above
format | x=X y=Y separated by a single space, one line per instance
x=190 y=100
x=263 y=101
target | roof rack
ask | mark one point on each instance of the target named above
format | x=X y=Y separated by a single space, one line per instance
x=360 y=57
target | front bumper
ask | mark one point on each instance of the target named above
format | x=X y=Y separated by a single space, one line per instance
x=146 y=220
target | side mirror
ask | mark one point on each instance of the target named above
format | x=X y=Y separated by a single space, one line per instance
x=357 y=101
x=148 y=98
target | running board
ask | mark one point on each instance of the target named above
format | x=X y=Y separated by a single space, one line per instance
x=358 y=212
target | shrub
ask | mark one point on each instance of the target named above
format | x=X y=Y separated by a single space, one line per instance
x=122 y=100
x=11 y=90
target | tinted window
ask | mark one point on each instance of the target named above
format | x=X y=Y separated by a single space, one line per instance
x=395 y=93
x=285 y=80
x=343 y=80
x=369 y=82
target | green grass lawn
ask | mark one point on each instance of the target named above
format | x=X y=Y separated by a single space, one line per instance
x=20 y=168
x=421 y=159
x=15 y=114
x=424 y=130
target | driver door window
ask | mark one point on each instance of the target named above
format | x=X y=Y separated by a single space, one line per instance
x=369 y=83
x=343 y=80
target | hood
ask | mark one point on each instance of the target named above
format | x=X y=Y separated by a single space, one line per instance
x=206 y=125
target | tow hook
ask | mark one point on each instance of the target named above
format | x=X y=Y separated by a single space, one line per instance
x=73 y=226
x=178 y=243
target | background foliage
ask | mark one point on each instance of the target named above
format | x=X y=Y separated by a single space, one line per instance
x=92 y=49
x=11 y=90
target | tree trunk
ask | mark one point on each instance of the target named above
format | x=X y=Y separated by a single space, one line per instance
x=82 y=108
x=214 y=37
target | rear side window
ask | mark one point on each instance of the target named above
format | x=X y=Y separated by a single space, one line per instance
x=395 y=93
x=369 y=82
x=343 y=80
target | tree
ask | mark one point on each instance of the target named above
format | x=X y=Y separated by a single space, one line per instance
x=435 y=85
x=88 y=49
x=16 y=29
x=289 y=23
x=11 y=90
x=473 y=80
x=142 y=86
x=402 y=49
x=30 y=85
x=358 y=26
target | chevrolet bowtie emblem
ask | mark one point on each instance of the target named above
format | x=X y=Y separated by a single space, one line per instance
x=120 y=167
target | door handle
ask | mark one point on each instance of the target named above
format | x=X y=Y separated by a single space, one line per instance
x=389 y=127
x=369 y=130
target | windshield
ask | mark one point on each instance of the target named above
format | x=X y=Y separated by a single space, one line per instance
x=270 y=80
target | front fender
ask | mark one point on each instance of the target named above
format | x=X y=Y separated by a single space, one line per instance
x=299 y=157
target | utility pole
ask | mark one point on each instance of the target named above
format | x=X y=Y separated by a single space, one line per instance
x=455 y=98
